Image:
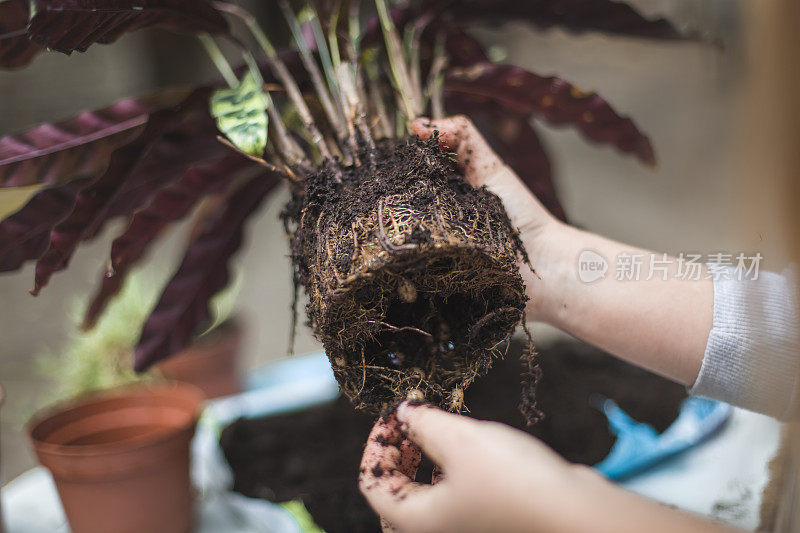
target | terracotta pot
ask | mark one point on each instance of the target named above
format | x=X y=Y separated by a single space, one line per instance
x=211 y=364
x=120 y=458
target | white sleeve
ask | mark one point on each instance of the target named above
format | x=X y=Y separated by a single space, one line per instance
x=752 y=358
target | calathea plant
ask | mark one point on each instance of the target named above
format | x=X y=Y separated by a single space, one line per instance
x=412 y=274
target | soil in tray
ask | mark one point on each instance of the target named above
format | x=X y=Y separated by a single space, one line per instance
x=313 y=455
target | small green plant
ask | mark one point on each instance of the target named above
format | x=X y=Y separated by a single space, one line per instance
x=102 y=357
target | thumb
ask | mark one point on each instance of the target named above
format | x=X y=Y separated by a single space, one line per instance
x=482 y=167
x=479 y=163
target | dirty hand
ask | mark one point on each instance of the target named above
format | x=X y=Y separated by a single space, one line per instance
x=495 y=478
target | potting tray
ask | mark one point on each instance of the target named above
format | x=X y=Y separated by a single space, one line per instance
x=690 y=465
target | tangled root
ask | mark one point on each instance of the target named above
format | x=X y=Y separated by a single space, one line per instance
x=411 y=273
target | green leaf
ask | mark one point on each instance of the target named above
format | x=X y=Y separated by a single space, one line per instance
x=241 y=114
x=304 y=519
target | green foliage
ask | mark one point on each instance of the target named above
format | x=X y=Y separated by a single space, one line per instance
x=241 y=114
x=103 y=356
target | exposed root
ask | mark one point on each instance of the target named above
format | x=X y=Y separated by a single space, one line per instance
x=411 y=273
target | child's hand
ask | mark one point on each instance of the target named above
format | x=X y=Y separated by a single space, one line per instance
x=495 y=478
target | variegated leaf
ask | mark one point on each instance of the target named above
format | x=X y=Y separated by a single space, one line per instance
x=241 y=114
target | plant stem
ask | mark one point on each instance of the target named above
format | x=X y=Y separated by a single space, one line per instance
x=282 y=73
x=348 y=144
x=218 y=58
x=436 y=78
x=354 y=27
x=314 y=72
x=397 y=62
x=356 y=109
x=380 y=106
x=333 y=38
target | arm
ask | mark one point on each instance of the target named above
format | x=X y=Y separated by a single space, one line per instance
x=496 y=478
x=661 y=325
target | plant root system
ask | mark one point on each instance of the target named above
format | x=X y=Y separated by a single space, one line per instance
x=412 y=274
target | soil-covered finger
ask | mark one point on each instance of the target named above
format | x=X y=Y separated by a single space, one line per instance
x=387 y=471
x=441 y=435
x=451 y=131
x=390 y=460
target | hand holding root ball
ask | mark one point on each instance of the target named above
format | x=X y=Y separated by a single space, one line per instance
x=482 y=167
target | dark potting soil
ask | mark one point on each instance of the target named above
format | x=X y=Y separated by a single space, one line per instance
x=314 y=455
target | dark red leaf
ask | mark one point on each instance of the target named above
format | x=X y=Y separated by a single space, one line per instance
x=69 y=25
x=608 y=16
x=183 y=308
x=557 y=101
x=516 y=142
x=192 y=142
x=94 y=203
x=168 y=205
x=24 y=236
x=16 y=50
x=463 y=50
x=56 y=153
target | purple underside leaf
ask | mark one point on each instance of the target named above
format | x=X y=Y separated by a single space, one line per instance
x=512 y=137
x=168 y=205
x=69 y=25
x=26 y=234
x=79 y=146
x=182 y=310
x=193 y=142
x=463 y=50
x=607 y=16
x=160 y=151
x=16 y=50
x=553 y=99
x=515 y=140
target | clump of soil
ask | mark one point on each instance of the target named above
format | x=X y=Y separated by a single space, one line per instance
x=314 y=455
x=412 y=274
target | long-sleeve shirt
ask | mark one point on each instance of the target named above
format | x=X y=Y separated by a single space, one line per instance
x=752 y=357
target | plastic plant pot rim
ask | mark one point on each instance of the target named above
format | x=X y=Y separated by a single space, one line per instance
x=42 y=446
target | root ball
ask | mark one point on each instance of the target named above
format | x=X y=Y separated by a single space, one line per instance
x=412 y=274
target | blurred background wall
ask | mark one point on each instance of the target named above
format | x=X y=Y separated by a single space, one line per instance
x=682 y=94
